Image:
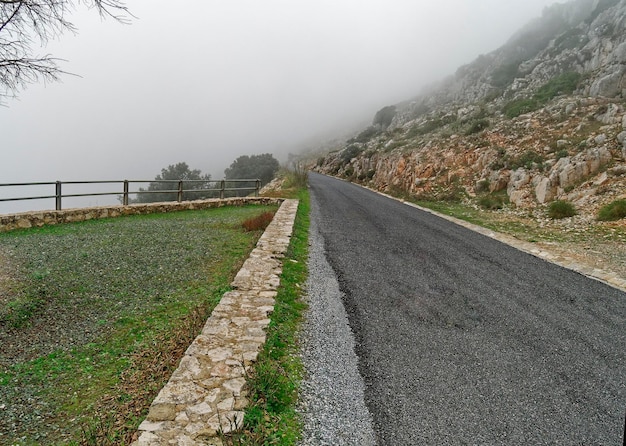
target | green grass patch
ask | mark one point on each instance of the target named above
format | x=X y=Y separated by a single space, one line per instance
x=101 y=315
x=528 y=160
x=271 y=418
x=613 y=211
x=492 y=202
x=565 y=83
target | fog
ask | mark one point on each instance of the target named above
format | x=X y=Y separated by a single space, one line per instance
x=206 y=82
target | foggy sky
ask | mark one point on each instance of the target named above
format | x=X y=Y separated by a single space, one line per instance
x=205 y=82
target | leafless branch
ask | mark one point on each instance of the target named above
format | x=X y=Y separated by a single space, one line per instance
x=22 y=22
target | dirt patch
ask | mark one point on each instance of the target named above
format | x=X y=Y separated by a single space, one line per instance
x=7 y=277
x=606 y=256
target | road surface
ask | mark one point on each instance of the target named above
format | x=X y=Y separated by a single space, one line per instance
x=464 y=340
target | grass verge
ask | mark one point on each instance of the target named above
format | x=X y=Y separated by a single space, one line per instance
x=528 y=228
x=99 y=313
x=271 y=417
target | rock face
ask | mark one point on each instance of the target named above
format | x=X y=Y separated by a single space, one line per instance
x=540 y=119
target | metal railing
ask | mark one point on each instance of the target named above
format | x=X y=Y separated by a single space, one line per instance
x=223 y=188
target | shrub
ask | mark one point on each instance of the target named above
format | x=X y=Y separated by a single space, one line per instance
x=367 y=134
x=491 y=202
x=296 y=178
x=505 y=74
x=527 y=159
x=561 y=209
x=613 y=211
x=349 y=152
x=482 y=186
x=563 y=153
x=431 y=125
x=518 y=107
x=477 y=126
x=260 y=222
x=384 y=116
x=565 y=83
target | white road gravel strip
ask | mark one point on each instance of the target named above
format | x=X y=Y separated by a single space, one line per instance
x=332 y=394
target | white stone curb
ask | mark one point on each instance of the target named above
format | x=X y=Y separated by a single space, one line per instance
x=207 y=392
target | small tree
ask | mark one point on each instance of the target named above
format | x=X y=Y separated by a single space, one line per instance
x=263 y=167
x=175 y=172
x=385 y=116
x=23 y=22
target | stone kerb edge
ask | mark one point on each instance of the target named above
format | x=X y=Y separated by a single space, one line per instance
x=24 y=220
x=207 y=393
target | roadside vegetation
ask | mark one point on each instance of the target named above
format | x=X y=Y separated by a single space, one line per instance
x=561 y=209
x=565 y=83
x=94 y=317
x=613 y=211
x=526 y=226
x=271 y=418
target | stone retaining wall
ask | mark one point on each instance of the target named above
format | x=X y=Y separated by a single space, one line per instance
x=207 y=392
x=40 y=218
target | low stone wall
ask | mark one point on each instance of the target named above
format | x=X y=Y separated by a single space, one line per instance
x=25 y=220
x=207 y=393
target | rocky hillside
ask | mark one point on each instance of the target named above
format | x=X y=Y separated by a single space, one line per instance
x=540 y=119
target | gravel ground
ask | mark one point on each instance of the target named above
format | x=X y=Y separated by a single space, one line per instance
x=332 y=395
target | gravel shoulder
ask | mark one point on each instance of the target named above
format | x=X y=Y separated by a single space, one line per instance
x=332 y=394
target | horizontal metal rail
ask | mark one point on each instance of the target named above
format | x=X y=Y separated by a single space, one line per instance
x=223 y=187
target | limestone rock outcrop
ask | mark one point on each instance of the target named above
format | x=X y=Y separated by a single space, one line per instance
x=542 y=118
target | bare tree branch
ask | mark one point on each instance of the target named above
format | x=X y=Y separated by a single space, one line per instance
x=22 y=22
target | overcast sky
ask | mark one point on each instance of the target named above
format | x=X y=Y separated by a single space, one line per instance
x=207 y=81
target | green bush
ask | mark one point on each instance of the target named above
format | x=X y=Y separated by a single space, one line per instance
x=565 y=83
x=613 y=211
x=563 y=153
x=350 y=152
x=477 y=126
x=384 y=116
x=366 y=135
x=482 y=186
x=527 y=160
x=431 y=125
x=491 y=202
x=561 y=209
x=505 y=74
x=518 y=107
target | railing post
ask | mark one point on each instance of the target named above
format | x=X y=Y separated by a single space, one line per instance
x=125 y=201
x=58 y=196
x=180 y=191
x=257 y=188
x=222 y=187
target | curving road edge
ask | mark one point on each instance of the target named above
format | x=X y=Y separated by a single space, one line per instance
x=332 y=399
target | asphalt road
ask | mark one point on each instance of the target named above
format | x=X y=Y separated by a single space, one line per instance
x=464 y=340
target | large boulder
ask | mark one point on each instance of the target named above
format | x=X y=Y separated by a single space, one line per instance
x=571 y=171
x=545 y=190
